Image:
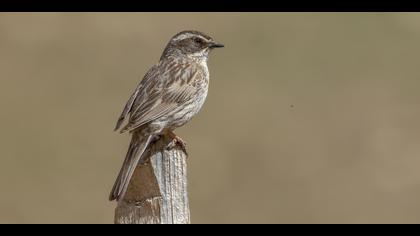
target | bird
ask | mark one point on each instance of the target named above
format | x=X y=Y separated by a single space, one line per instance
x=169 y=95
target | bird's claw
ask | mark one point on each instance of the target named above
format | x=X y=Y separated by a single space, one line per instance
x=176 y=140
x=182 y=143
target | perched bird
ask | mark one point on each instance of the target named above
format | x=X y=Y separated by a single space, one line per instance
x=169 y=95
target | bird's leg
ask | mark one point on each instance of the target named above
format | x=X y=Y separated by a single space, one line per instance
x=177 y=140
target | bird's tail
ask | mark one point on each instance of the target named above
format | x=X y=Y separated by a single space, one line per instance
x=138 y=145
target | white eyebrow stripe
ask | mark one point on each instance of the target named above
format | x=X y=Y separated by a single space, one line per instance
x=203 y=38
x=188 y=35
x=182 y=36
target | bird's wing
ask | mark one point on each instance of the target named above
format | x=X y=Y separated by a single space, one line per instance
x=129 y=105
x=163 y=94
x=126 y=110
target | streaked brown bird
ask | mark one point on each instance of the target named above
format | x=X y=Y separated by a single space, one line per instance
x=169 y=95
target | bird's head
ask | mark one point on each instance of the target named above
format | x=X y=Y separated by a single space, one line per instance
x=191 y=43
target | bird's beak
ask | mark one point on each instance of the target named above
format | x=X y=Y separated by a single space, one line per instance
x=215 y=45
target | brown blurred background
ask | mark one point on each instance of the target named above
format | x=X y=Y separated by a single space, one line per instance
x=310 y=118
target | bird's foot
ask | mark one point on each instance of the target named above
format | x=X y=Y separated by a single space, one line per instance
x=178 y=140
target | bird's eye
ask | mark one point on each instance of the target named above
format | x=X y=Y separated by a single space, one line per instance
x=197 y=40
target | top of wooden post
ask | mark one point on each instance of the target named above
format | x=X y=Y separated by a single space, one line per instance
x=157 y=192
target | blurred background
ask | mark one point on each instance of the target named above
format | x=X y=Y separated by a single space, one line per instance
x=310 y=118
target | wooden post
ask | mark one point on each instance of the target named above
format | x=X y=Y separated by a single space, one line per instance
x=157 y=192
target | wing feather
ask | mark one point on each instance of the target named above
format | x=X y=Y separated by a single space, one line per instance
x=140 y=87
x=126 y=110
x=162 y=95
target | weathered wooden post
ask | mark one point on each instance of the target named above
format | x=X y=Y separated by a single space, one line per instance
x=157 y=192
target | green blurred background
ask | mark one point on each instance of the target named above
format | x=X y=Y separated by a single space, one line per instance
x=310 y=118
